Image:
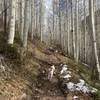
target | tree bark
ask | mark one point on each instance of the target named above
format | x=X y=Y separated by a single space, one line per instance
x=92 y=20
x=12 y=23
x=26 y=24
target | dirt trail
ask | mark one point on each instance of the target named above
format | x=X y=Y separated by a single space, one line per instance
x=45 y=89
x=52 y=90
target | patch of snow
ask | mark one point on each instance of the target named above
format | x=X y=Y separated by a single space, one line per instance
x=61 y=65
x=69 y=72
x=93 y=90
x=71 y=86
x=65 y=65
x=53 y=67
x=80 y=87
x=67 y=76
x=64 y=69
x=82 y=81
x=51 y=72
x=64 y=72
x=2 y=68
x=85 y=89
x=56 y=51
x=75 y=97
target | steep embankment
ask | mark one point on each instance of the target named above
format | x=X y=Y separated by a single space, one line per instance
x=27 y=77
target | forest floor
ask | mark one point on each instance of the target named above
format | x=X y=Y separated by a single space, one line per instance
x=26 y=79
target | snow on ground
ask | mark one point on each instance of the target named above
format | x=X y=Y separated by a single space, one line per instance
x=64 y=69
x=67 y=76
x=80 y=86
x=64 y=72
x=2 y=68
x=75 y=97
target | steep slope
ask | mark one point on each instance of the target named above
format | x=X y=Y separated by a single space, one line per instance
x=27 y=78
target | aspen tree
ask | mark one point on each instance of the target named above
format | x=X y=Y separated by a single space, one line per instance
x=5 y=16
x=60 y=34
x=26 y=23
x=22 y=18
x=92 y=19
x=85 y=31
x=12 y=23
x=32 y=19
x=72 y=28
x=77 y=32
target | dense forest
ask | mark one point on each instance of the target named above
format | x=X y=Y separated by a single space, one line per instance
x=49 y=50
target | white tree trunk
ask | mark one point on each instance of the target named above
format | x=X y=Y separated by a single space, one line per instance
x=92 y=17
x=22 y=18
x=26 y=23
x=12 y=23
x=32 y=19
x=77 y=32
x=85 y=32
x=73 y=30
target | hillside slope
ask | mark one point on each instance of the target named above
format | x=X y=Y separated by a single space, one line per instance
x=26 y=79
